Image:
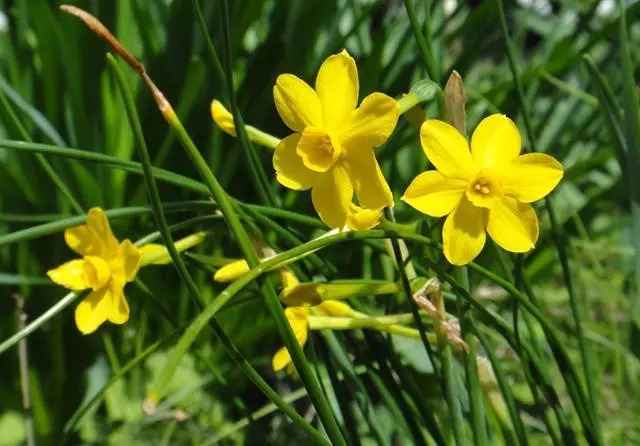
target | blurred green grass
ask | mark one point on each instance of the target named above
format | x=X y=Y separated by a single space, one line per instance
x=55 y=75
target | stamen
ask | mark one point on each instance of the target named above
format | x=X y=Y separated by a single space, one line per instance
x=482 y=188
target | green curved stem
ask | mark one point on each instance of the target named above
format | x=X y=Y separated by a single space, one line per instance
x=163 y=226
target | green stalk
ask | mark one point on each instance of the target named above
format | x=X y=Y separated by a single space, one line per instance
x=505 y=386
x=427 y=56
x=108 y=160
x=631 y=126
x=15 y=123
x=254 y=416
x=64 y=223
x=273 y=304
x=217 y=66
x=449 y=375
x=154 y=196
x=404 y=279
x=39 y=321
x=256 y=170
x=556 y=232
x=345 y=365
x=478 y=422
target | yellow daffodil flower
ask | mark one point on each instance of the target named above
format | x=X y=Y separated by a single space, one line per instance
x=488 y=188
x=298 y=318
x=105 y=268
x=331 y=151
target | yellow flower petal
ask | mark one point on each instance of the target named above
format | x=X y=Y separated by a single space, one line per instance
x=290 y=170
x=495 y=142
x=463 y=233
x=513 y=225
x=99 y=224
x=434 y=194
x=222 y=117
x=359 y=219
x=281 y=359
x=131 y=258
x=70 y=275
x=297 y=104
x=119 y=313
x=337 y=87
x=231 y=271
x=331 y=196
x=334 y=308
x=93 y=310
x=318 y=150
x=447 y=149
x=288 y=278
x=530 y=177
x=371 y=124
x=298 y=318
x=370 y=185
x=97 y=272
x=81 y=240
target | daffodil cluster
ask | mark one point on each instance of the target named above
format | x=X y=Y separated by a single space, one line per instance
x=482 y=187
x=485 y=186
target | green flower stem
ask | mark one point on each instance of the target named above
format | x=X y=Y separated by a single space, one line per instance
x=427 y=56
x=263 y=138
x=449 y=374
x=560 y=244
x=631 y=126
x=404 y=280
x=390 y=324
x=253 y=417
x=217 y=65
x=14 y=122
x=162 y=256
x=256 y=169
x=161 y=221
x=407 y=102
x=62 y=224
x=505 y=387
x=39 y=321
x=107 y=160
x=273 y=304
x=476 y=404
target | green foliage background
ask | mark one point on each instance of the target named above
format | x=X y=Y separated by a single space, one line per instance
x=55 y=77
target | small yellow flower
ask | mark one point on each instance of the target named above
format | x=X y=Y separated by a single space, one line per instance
x=298 y=318
x=106 y=267
x=331 y=151
x=487 y=188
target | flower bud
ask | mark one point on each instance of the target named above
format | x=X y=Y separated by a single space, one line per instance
x=222 y=117
x=231 y=271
